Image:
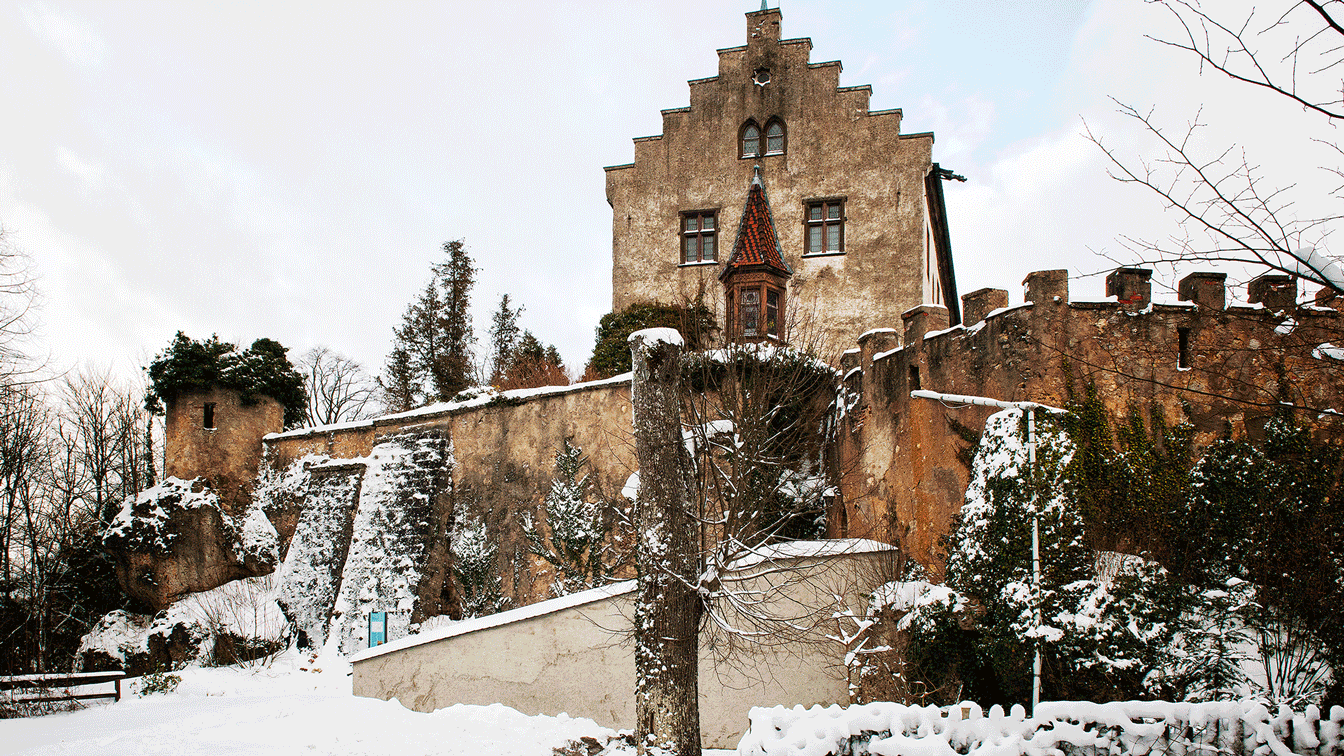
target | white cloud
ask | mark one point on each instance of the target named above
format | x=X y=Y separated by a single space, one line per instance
x=75 y=40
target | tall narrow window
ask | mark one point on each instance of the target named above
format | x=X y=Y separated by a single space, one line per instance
x=914 y=378
x=772 y=312
x=751 y=312
x=751 y=140
x=698 y=235
x=1183 y=348
x=774 y=137
x=825 y=227
x=208 y=420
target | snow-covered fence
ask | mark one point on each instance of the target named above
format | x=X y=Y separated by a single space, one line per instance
x=1130 y=728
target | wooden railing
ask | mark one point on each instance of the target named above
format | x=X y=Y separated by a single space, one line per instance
x=47 y=688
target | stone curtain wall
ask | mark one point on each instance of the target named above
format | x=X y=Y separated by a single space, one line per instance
x=505 y=460
x=902 y=481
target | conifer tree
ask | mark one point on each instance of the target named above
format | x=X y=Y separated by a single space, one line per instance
x=455 y=278
x=431 y=357
x=503 y=339
x=575 y=544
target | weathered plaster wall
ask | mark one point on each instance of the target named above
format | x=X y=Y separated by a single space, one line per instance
x=227 y=454
x=902 y=480
x=835 y=148
x=580 y=660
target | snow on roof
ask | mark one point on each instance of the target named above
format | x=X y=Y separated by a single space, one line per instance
x=530 y=611
x=480 y=399
x=809 y=549
x=788 y=550
x=876 y=330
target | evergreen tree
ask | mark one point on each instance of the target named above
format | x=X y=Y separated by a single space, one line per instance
x=399 y=386
x=455 y=277
x=262 y=369
x=578 y=530
x=474 y=566
x=431 y=357
x=503 y=339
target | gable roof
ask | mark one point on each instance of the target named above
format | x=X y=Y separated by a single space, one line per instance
x=757 y=243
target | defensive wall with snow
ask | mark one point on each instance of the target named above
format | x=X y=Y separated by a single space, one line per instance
x=1225 y=369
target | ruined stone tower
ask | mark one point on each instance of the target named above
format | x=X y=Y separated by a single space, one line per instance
x=215 y=435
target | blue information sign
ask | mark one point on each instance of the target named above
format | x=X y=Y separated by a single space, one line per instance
x=377 y=628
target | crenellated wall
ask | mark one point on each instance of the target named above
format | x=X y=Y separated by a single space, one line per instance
x=1226 y=370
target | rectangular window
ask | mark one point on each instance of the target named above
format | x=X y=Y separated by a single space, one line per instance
x=208 y=420
x=698 y=234
x=825 y=227
x=1183 y=348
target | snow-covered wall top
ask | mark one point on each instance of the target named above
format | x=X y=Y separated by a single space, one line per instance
x=474 y=400
x=789 y=551
x=1122 y=728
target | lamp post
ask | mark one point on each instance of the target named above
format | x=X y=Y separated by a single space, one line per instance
x=1030 y=408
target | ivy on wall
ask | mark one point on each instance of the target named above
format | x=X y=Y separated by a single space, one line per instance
x=188 y=366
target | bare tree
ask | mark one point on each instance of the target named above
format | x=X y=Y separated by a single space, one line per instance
x=338 y=388
x=1227 y=211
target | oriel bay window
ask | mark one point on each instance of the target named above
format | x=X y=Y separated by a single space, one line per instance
x=699 y=233
x=825 y=227
x=757 y=311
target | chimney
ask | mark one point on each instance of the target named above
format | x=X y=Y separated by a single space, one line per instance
x=1131 y=287
x=1044 y=286
x=1275 y=291
x=976 y=305
x=923 y=319
x=1206 y=289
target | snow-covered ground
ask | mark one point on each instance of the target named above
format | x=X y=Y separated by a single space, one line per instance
x=289 y=708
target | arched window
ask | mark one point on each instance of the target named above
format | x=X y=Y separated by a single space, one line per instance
x=774 y=137
x=751 y=140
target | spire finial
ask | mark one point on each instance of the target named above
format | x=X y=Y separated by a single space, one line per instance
x=763 y=5
x=756 y=176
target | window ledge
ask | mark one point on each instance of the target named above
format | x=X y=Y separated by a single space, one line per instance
x=700 y=264
x=811 y=255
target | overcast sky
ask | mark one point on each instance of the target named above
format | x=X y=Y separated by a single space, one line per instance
x=291 y=170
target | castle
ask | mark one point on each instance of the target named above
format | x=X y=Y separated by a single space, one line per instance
x=777 y=198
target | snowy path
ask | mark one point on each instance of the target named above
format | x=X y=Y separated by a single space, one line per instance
x=284 y=711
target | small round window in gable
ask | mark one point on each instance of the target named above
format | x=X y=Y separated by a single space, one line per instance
x=761 y=77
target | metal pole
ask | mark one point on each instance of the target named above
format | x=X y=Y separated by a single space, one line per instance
x=1035 y=559
x=1031 y=408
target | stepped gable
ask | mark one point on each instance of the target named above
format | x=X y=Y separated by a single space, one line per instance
x=757 y=243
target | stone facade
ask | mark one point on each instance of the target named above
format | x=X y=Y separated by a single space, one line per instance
x=833 y=149
x=1226 y=370
x=214 y=435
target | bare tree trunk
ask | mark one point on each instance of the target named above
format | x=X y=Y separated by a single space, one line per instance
x=667 y=612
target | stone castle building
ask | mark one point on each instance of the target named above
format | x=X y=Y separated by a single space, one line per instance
x=859 y=222
x=781 y=201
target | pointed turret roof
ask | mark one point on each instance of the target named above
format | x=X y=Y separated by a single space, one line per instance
x=757 y=243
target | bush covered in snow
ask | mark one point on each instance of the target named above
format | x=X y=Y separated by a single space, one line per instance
x=1130 y=728
x=1251 y=605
